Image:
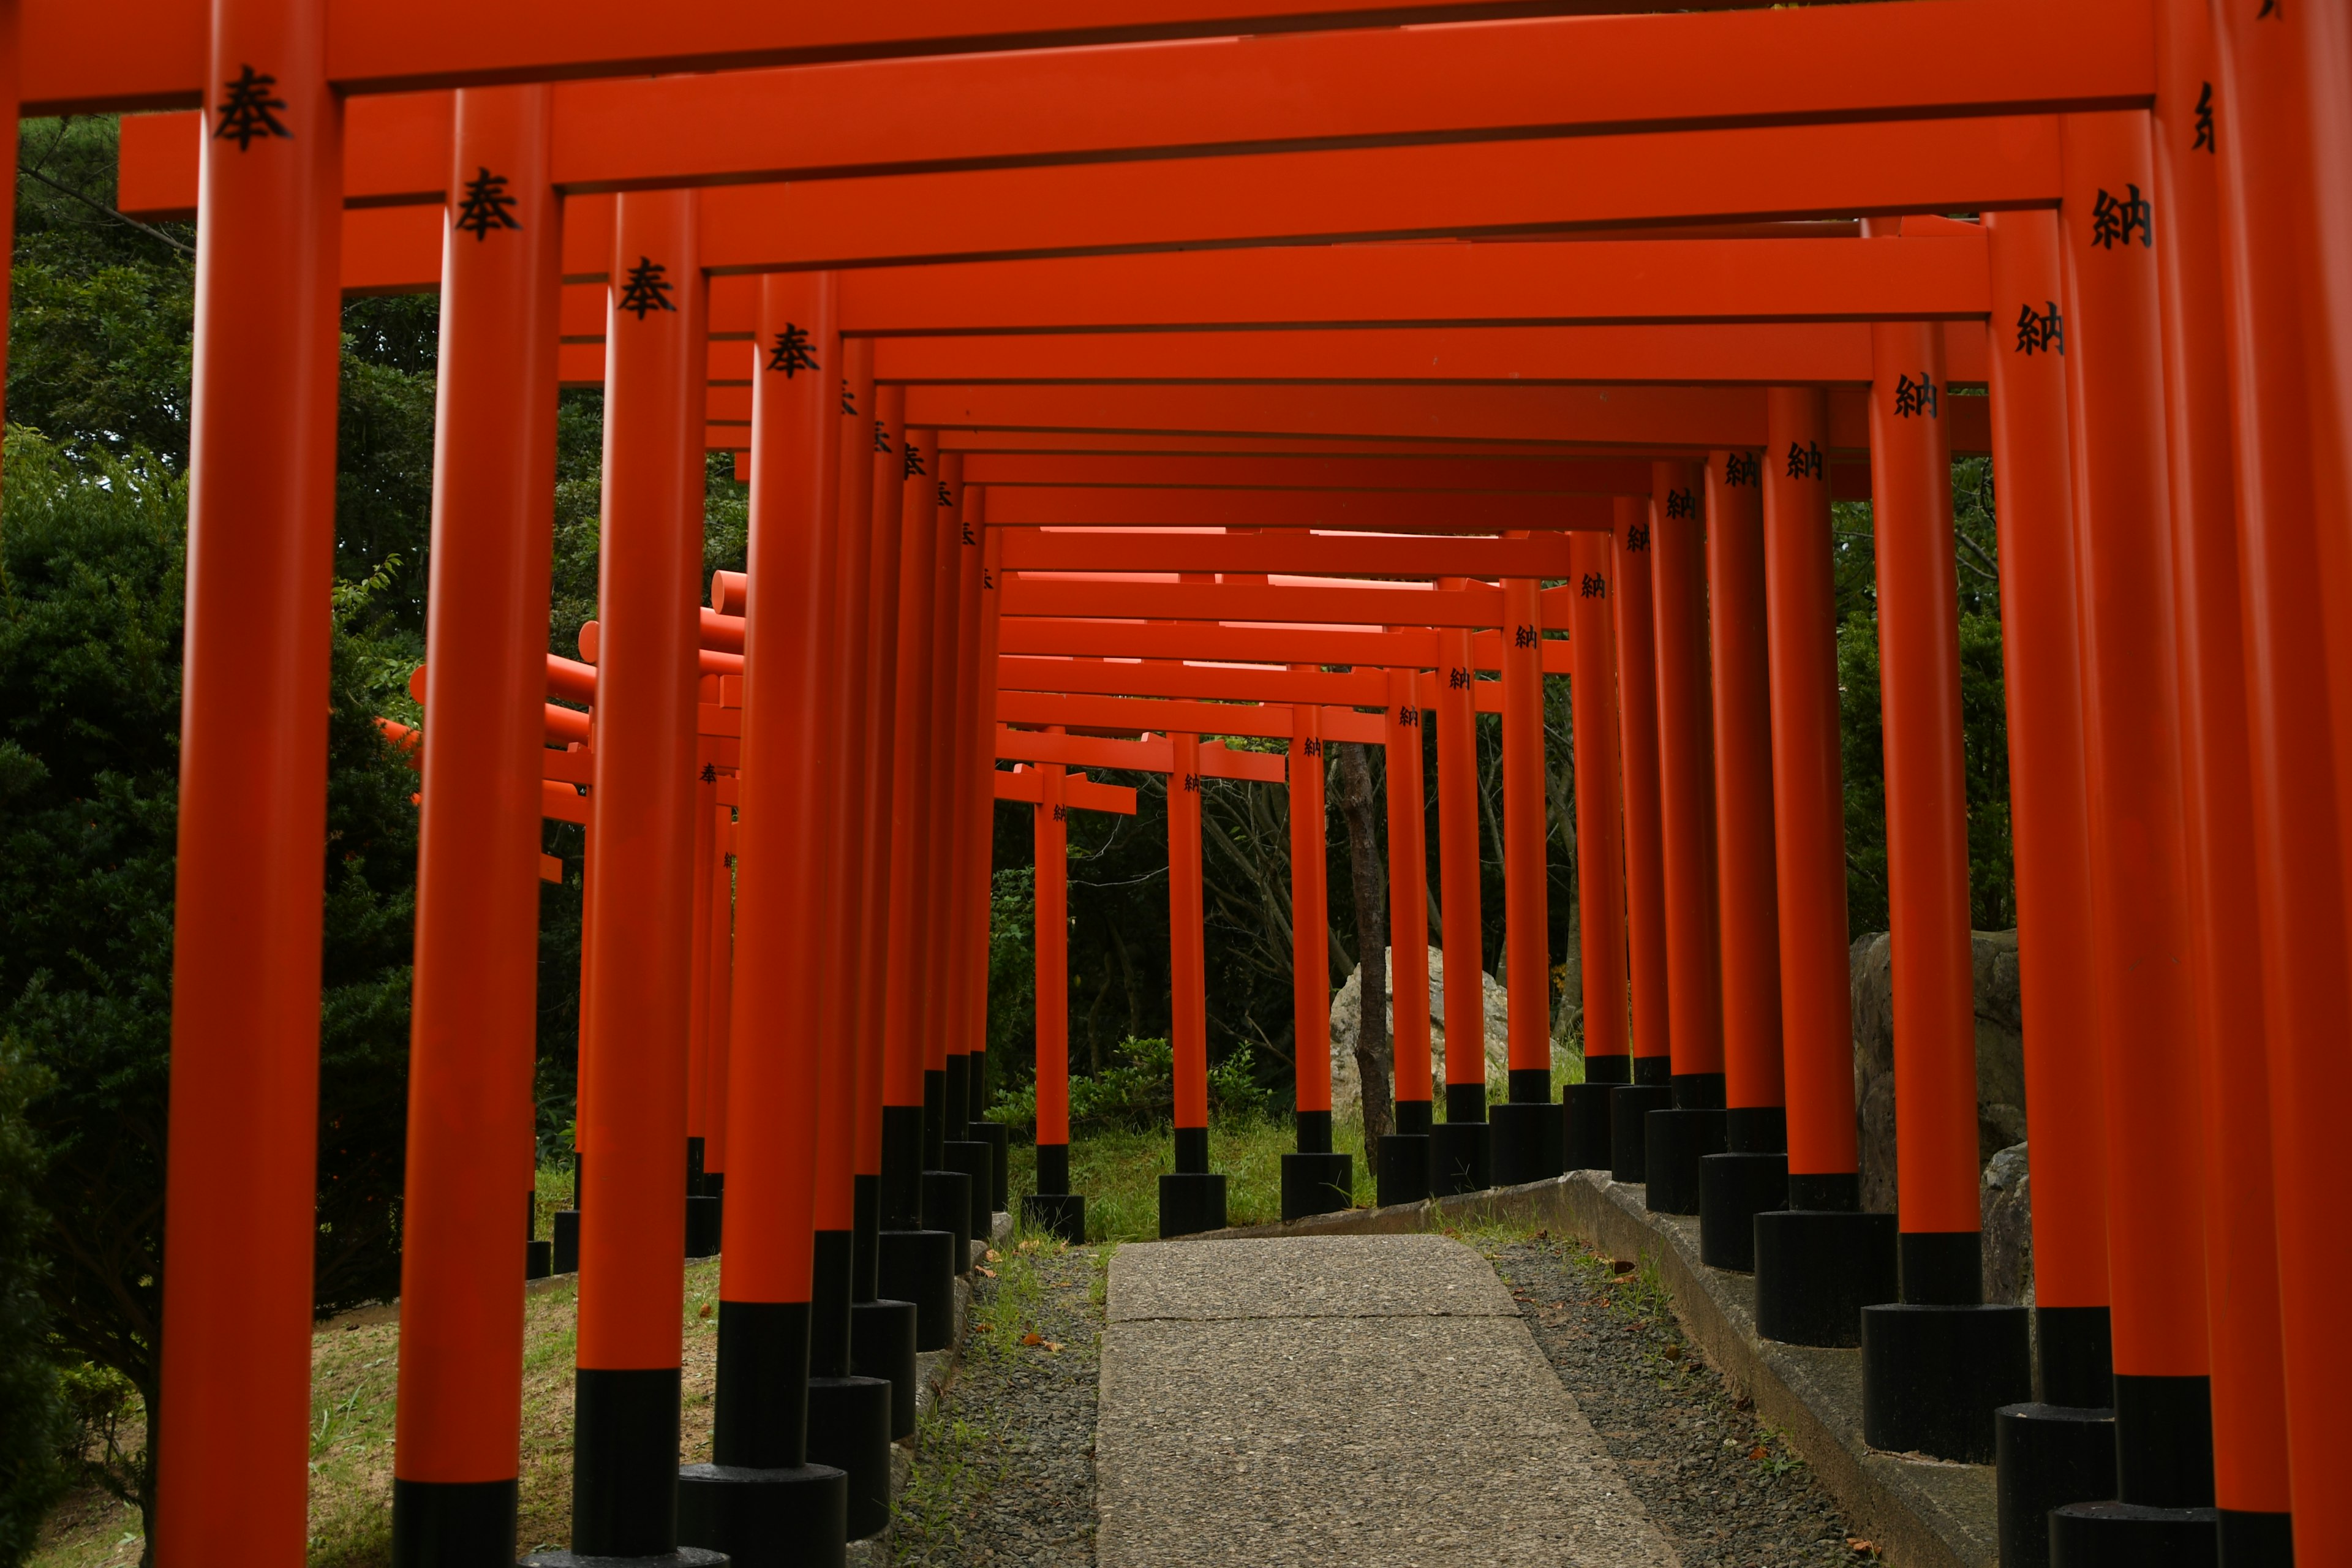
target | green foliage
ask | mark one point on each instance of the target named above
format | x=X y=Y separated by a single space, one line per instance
x=32 y=1415
x=1011 y=965
x=94 y=550
x=1137 y=1091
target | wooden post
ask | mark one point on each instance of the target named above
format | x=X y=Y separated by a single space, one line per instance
x=1458 y=1155
x=1403 y=1175
x=240 y=1220
x=1524 y=1144
x=475 y=1020
x=1599 y=860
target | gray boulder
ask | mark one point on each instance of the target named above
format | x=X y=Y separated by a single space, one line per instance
x=1348 y=1085
x=2005 y=1200
x=2001 y=1056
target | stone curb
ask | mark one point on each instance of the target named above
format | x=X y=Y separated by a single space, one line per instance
x=1920 y=1513
x=934 y=1374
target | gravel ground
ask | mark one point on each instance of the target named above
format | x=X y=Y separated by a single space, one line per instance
x=1727 y=1491
x=1004 y=1470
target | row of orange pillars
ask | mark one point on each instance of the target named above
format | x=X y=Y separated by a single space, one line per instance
x=2157 y=260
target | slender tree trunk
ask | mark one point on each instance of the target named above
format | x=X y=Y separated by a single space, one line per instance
x=1371 y=873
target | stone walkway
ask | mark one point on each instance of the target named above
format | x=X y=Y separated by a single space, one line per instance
x=1342 y=1399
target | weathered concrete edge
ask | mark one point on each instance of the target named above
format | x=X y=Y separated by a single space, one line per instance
x=1882 y=1498
x=934 y=1374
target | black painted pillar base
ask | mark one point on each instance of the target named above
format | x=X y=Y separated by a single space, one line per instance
x=1058 y=1213
x=2074 y=1357
x=919 y=1266
x=1733 y=1189
x=1674 y=1144
x=1317 y=1183
x=1816 y=1269
x=1629 y=1108
x=849 y=1421
x=701 y=1227
x=1000 y=1168
x=538 y=1259
x=865 y=1236
x=947 y=1205
x=970 y=1160
x=2257 y=1540
x=446 y=1523
x=1192 y=1202
x=1459 y=1158
x=1524 y=1142
x=1932 y=1376
x=792 y=1517
x=564 y=1247
x=2133 y=1536
x=1584 y=1126
x=625 y=1461
x=1402 y=1176
x=882 y=1335
x=2045 y=1456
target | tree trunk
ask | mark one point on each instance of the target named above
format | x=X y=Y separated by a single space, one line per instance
x=1370 y=874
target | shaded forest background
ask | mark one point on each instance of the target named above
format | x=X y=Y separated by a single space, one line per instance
x=92 y=551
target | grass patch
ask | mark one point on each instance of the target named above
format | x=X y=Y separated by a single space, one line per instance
x=1118 y=1173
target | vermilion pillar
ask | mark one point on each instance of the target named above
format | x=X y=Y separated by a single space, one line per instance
x=1752 y=1177
x=2062 y=1450
x=849 y=1129
x=1674 y=1143
x=1193 y=1197
x=1936 y=1367
x=1403 y=1176
x=1526 y=1142
x=2139 y=891
x=474 y=1000
x=1315 y=1179
x=898 y=1200
x=980 y=783
x=239 y=1222
x=624 y=1473
x=2250 y=1478
x=1645 y=890
x=1599 y=858
x=2275 y=91
x=1459 y=1157
x=955 y=675
x=1052 y=1206
x=759 y=1421
x=2065 y=1101
x=921 y=1271
x=1820 y=1261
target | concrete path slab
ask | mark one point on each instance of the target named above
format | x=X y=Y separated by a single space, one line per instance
x=1342 y=1399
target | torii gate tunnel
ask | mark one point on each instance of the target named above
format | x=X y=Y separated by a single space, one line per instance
x=1093 y=410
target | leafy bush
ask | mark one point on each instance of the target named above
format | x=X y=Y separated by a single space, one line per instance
x=1137 y=1091
x=31 y=1414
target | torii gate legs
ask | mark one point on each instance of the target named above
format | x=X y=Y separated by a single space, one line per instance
x=1678 y=1137
x=1458 y=1150
x=1752 y=1175
x=959 y=672
x=460 y=1371
x=1052 y=1206
x=1525 y=1140
x=1315 y=1179
x=922 y=1225
x=1820 y=1260
x=1192 y=1197
x=1631 y=591
x=1935 y=1366
x=1403 y=1173
x=2053 y=1451
x=240 y=1207
x=761 y=1495
x=1600 y=863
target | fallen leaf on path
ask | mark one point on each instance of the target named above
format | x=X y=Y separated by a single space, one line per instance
x=1760 y=1452
x=1054 y=1345
x=990 y=1272
x=1032 y=1339
x=994 y=1256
